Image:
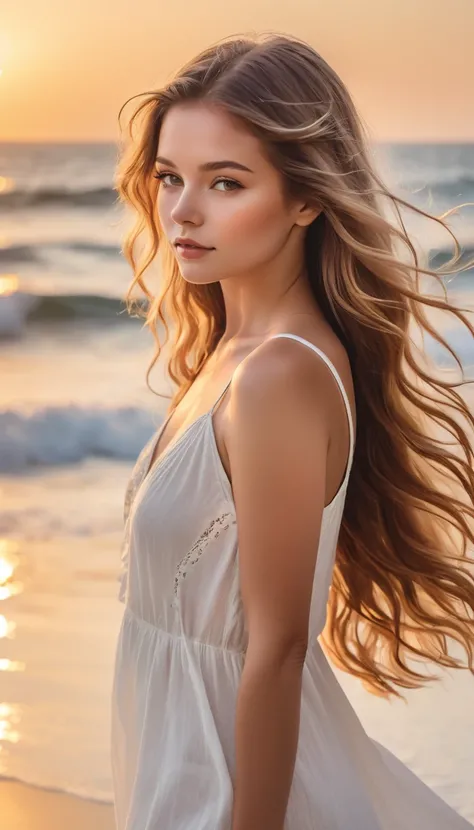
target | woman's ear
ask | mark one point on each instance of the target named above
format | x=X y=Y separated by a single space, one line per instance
x=306 y=214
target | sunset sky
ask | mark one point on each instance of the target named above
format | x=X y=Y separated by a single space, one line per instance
x=67 y=67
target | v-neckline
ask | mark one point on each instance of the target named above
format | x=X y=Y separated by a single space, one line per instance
x=153 y=465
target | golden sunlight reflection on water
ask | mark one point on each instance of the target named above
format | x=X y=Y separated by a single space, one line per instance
x=10 y=714
x=11 y=665
x=9 y=717
x=7 y=184
x=8 y=588
x=7 y=628
x=9 y=561
x=9 y=283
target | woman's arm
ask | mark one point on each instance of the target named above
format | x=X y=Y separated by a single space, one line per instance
x=280 y=411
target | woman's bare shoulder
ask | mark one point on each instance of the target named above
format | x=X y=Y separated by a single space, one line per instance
x=283 y=365
x=277 y=385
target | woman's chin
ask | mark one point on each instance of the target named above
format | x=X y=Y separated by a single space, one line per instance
x=192 y=276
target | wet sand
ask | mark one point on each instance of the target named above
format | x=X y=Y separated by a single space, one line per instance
x=30 y=808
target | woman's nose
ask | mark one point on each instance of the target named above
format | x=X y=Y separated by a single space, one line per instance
x=186 y=210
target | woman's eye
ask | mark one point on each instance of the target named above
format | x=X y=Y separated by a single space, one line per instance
x=163 y=176
x=228 y=181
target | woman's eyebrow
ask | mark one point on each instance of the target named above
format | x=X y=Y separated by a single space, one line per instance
x=210 y=165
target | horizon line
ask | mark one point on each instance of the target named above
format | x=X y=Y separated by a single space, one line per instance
x=72 y=141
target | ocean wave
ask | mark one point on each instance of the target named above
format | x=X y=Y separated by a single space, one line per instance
x=93 y=197
x=84 y=246
x=19 y=308
x=450 y=186
x=67 y=306
x=440 y=256
x=97 y=796
x=55 y=435
x=34 y=252
x=462 y=188
x=19 y=253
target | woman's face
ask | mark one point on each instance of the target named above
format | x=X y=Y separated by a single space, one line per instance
x=237 y=209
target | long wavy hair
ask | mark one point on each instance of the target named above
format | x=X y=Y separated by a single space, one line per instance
x=403 y=583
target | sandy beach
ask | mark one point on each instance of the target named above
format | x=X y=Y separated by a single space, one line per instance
x=30 y=808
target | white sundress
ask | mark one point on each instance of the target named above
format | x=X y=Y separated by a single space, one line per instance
x=180 y=654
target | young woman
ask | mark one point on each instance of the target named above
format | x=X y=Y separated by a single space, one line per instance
x=257 y=527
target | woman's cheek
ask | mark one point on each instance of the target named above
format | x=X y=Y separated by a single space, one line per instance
x=248 y=220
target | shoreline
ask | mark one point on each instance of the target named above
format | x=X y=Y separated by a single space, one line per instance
x=27 y=807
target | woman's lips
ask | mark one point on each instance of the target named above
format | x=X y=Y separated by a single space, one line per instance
x=191 y=251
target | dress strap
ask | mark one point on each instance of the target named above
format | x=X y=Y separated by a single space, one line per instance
x=222 y=393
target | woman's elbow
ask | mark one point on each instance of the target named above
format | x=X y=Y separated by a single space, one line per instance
x=282 y=652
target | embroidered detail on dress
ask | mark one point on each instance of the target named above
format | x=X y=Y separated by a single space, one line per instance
x=212 y=532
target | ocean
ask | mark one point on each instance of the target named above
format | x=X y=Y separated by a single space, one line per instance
x=75 y=412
